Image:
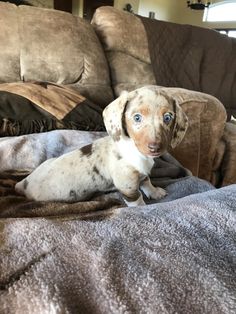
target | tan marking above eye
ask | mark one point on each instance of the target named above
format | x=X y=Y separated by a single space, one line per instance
x=144 y=110
x=164 y=110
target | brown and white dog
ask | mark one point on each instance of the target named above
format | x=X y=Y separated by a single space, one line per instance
x=141 y=125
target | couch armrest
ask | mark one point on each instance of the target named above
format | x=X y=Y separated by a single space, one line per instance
x=228 y=167
x=207 y=118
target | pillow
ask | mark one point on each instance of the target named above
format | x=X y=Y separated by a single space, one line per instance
x=35 y=107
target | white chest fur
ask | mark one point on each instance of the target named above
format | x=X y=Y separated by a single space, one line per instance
x=131 y=154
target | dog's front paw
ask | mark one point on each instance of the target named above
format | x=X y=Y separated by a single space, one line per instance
x=158 y=193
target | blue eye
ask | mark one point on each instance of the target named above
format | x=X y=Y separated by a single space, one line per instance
x=167 y=117
x=137 y=118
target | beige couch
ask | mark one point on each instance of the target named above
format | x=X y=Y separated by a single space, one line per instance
x=100 y=60
x=174 y=256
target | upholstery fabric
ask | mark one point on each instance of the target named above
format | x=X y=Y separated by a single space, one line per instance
x=195 y=58
x=229 y=160
x=126 y=46
x=207 y=118
x=49 y=45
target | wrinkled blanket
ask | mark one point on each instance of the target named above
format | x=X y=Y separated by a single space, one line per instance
x=174 y=256
x=194 y=58
x=21 y=154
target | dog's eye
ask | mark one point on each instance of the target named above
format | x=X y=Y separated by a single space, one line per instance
x=167 y=117
x=137 y=118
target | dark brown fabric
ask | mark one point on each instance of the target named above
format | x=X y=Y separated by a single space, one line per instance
x=228 y=165
x=15 y=205
x=193 y=58
x=166 y=171
x=27 y=108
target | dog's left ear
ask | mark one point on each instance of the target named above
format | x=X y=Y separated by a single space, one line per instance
x=112 y=116
x=180 y=126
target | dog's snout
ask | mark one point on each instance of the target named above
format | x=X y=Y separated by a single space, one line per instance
x=154 y=147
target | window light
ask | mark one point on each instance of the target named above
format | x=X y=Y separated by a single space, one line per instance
x=221 y=12
x=232 y=34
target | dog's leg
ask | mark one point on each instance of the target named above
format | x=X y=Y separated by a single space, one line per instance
x=127 y=183
x=135 y=199
x=151 y=191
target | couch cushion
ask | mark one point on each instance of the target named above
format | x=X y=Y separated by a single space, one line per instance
x=207 y=118
x=126 y=46
x=49 y=45
x=228 y=169
x=41 y=106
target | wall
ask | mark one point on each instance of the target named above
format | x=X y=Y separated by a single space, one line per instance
x=178 y=12
x=163 y=9
x=120 y=4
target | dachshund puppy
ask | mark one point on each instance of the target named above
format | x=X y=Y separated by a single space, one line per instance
x=141 y=125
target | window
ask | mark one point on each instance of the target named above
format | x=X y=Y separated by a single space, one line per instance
x=229 y=32
x=224 y=11
x=232 y=33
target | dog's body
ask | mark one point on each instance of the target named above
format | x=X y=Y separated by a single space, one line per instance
x=141 y=125
x=77 y=175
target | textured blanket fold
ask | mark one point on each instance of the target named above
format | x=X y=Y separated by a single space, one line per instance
x=193 y=58
x=174 y=257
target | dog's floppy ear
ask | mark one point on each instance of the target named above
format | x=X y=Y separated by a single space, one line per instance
x=113 y=115
x=180 y=126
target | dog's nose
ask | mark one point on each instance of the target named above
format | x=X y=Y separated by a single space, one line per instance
x=154 y=147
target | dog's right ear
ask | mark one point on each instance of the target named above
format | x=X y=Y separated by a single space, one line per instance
x=112 y=116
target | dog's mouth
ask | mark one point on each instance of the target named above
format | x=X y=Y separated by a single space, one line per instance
x=153 y=150
x=154 y=155
x=151 y=154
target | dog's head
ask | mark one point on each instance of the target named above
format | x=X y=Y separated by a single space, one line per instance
x=149 y=117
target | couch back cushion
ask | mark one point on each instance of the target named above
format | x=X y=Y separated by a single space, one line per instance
x=49 y=45
x=126 y=46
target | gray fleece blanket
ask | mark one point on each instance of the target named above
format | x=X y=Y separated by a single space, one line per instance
x=174 y=256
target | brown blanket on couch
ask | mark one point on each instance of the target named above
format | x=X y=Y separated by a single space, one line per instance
x=194 y=58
